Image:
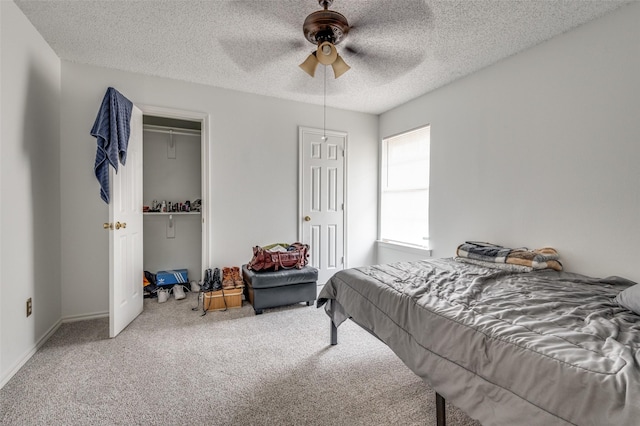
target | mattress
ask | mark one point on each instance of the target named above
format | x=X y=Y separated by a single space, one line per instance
x=542 y=347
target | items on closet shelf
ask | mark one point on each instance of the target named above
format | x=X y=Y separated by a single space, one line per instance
x=169 y=207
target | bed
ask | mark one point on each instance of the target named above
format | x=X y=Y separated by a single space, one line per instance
x=543 y=347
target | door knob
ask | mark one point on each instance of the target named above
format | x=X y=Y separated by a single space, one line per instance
x=107 y=225
x=121 y=225
x=307 y=218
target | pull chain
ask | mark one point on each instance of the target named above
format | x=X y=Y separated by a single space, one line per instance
x=324 y=110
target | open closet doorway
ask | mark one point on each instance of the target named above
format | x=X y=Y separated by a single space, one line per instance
x=175 y=189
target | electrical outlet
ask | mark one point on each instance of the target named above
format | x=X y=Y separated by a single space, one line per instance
x=29 y=307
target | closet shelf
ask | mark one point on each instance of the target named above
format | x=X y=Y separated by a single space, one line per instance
x=168 y=213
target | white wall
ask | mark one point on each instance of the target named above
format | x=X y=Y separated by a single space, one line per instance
x=542 y=149
x=254 y=173
x=30 y=190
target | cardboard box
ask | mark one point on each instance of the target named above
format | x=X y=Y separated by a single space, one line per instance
x=174 y=276
x=215 y=301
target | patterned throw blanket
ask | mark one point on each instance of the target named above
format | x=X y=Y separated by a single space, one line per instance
x=519 y=259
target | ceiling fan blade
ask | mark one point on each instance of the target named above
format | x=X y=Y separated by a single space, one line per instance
x=251 y=55
x=287 y=12
x=386 y=38
x=378 y=17
x=381 y=64
x=351 y=49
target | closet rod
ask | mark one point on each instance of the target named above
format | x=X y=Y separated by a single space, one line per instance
x=162 y=129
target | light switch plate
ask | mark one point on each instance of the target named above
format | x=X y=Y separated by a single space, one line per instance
x=171 y=227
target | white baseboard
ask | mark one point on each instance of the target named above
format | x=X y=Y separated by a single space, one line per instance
x=4 y=379
x=84 y=317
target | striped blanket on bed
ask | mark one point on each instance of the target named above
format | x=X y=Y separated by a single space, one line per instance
x=522 y=259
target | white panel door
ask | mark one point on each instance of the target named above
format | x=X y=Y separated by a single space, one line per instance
x=125 y=236
x=322 y=183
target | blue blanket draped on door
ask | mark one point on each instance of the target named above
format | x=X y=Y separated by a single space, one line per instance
x=111 y=128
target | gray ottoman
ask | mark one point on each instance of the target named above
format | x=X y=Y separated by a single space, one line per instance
x=278 y=288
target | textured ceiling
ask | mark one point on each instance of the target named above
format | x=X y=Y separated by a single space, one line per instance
x=397 y=49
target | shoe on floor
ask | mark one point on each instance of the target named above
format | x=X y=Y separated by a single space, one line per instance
x=237 y=278
x=227 y=278
x=217 y=282
x=163 y=295
x=178 y=292
x=207 y=283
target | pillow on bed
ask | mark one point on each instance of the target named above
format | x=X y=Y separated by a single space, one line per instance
x=630 y=298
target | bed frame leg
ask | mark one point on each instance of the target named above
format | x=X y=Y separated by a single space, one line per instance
x=441 y=419
x=334 y=329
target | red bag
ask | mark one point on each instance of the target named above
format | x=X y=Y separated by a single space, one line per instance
x=267 y=260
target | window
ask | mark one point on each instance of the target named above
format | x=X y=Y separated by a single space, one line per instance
x=404 y=188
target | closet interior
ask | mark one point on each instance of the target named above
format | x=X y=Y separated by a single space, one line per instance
x=172 y=193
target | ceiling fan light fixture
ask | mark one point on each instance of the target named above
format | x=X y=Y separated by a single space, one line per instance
x=326 y=53
x=310 y=64
x=339 y=67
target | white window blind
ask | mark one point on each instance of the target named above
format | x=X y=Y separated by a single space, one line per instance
x=404 y=210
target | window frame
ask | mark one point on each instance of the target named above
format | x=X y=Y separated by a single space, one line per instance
x=382 y=188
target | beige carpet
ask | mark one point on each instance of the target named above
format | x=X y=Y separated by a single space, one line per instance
x=172 y=366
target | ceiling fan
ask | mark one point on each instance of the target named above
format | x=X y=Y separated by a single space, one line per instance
x=325 y=29
x=383 y=38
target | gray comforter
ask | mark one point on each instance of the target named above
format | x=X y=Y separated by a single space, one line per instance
x=508 y=348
